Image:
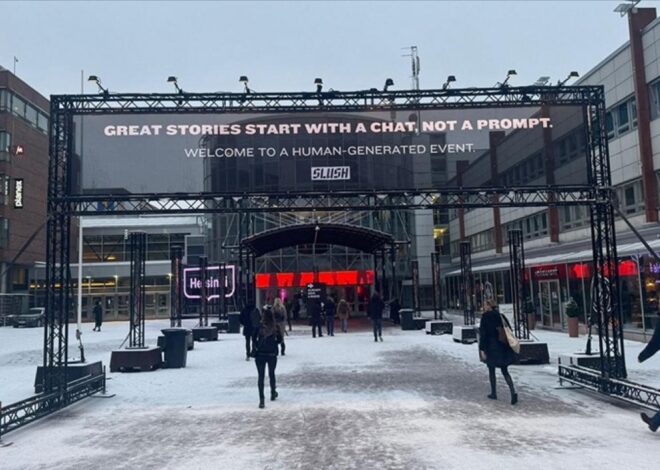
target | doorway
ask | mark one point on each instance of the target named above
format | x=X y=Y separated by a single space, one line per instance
x=549 y=299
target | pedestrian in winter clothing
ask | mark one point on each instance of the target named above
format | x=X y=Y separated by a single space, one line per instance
x=289 y=308
x=266 y=339
x=343 y=312
x=98 y=316
x=314 y=312
x=494 y=349
x=250 y=319
x=279 y=311
x=650 y=349
x=395 y=306
x=330 y=310
x=375 y=311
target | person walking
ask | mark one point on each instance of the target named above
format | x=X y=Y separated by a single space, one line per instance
x=289 y=308
x=653 y=422
x=395 y=306
x=375 y=311
x=279 y=311
x=330 y=310
x=250 y=319
x=343 y=312
x=314 y=312
x=266 y=339
x=494 y=349
x=98 y=316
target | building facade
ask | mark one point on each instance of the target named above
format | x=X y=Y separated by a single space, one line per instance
x=23 y=187
x=557 y=240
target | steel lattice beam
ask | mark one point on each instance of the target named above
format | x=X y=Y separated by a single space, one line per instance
x=138 y=248
x=467 y=283
x=518 y=291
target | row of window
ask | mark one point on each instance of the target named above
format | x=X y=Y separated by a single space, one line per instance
x=621 y=118
x=37 y=118
x=109 y=248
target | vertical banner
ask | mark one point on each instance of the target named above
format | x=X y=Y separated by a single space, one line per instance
x=18 y=193
x=435 y=274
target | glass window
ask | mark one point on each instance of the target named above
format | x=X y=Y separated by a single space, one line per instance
x=609 y=124
x=4 y=189
x=633 y=112
x=4 y=232
x=42 y=122
x=5 y=141
x=623 y=118
x=4 y=99
x=18 y=106
x=31 y=115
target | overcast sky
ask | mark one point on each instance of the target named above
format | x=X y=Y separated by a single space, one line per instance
x=283 y=46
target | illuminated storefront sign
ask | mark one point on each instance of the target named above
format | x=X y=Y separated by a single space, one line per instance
x=18 y=193
x=192 y=282
x=330 y=278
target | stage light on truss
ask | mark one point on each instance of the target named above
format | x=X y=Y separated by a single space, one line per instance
x=542 y=81
x=319 y=84
x=509 y=74
x=172 y=79
x=96 y=79
x=623 y=8
x=388 y=83
x=573 y=74
x=450 y=79
x=244 y=80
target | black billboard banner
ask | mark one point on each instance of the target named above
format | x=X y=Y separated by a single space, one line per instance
x=329 y=151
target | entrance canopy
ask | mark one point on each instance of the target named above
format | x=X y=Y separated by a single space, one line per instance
x=360 y=238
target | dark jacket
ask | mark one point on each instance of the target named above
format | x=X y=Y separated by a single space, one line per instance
x=98 y=314
x=314 y=310
x=266 y=339
x=394 y=310
x=249 y=318
x=498 y=353
x=375 y=308
x=330 y=308
x=653 y=346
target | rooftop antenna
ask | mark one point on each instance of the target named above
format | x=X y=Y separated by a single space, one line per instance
x=414 y=62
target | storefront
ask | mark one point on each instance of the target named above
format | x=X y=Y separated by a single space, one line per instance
x=550 y=286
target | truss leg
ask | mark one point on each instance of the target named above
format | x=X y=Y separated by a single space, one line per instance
x=518 y=290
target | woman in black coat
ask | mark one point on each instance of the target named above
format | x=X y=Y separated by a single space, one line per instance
x=495 y=352
x=249 y=318
x=267 y=337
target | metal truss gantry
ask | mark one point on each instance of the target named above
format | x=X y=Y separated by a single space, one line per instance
x=467 y=283
x=63 y=205
x=518 y=285
x=138 y=250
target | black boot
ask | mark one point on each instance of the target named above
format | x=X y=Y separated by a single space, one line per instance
x=514 y=398
x=273 y=396
x=492 y=396
x=261 y=403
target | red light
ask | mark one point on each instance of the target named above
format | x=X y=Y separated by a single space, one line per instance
x=627 y=268
x=581 y=271
x=331 y=278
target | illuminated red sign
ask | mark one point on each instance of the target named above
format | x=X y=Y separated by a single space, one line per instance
x=331 y=278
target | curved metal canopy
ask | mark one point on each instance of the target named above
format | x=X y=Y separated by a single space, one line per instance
x=353 y=236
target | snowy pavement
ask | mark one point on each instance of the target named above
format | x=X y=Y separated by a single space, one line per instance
x=413 y=401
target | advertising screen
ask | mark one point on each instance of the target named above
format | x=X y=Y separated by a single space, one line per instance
x=330 y=152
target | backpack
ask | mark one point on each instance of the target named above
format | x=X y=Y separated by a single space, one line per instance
x=267 y=345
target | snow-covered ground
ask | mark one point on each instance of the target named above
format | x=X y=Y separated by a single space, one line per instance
x=413 y=401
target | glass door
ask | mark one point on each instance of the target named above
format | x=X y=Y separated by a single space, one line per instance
x=550 y=300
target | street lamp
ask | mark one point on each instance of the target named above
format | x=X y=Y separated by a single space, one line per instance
x=509 y=74
x=244 y=81
x=388 y=83
x=319 y=84
x=573 y=74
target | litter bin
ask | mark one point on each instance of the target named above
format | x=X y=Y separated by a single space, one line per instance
x=234 y=322
x=407 y=322
x=176 y=350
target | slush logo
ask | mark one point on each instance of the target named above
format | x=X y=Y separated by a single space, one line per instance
x=331 y=173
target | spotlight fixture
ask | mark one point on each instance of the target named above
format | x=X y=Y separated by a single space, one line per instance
x=388 y=83
x=319 y=84
x=244 y=80
x=450 y=79
x=173 y=79
x=509 y=74
x=623 y=8
x=573 y=74
x=542 y=81
x=96 y=79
